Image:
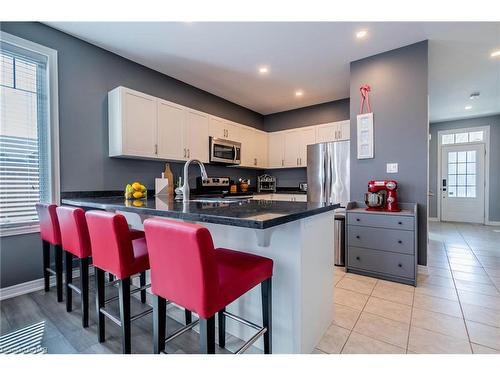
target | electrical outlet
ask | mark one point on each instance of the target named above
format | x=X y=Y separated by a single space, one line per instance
x=392 y=167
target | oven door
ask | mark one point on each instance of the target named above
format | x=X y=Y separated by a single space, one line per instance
x=223 y=151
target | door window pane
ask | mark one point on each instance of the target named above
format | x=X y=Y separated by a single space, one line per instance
x=471 y=168
x=462 y=174
x=471 y=192
x=461 y=180
x=452 y=157
x=471 y=156
x=462 y=156
x=452 y=179
x=461 y=137
x=452 y=191
x=461 y=191
x=452 y=168
x=461 y=169
x=476 y=136
x=471 y=180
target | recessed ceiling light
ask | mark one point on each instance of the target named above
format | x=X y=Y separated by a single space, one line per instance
x=495 y=53
x=467 y=107
x=299 y=93
x=263 y=70
x=361 y=34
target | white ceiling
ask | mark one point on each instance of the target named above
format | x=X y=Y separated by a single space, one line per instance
x=223 y=58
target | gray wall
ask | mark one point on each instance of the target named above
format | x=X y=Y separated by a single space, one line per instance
x=86 y=74
x=337 y=110
x=398 y=79
x=494 y=123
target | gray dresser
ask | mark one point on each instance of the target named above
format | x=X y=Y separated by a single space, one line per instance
x=382 y=244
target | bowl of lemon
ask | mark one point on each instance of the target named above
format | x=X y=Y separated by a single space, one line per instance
x=136 y=190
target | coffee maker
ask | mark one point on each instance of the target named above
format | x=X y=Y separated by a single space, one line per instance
x=382 y=196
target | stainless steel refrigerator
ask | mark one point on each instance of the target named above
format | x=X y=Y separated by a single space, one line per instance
x=328 y=172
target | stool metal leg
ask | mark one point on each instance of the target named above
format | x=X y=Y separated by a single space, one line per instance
x=267 y=313
x=188 y=316
x=59 y=272
x=69 y=280
x=222 y=328
x=124 y=301
x=207 y=335
x=99 y=281
x=159 y=324
x=46 y=264
x=84 y=278
x=143 y=283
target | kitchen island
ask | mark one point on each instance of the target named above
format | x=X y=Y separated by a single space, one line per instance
x=298 y=236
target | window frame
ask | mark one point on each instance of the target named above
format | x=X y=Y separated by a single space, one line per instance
x=52 y=120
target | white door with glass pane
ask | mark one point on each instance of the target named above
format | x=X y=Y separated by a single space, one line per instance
x=462 y=183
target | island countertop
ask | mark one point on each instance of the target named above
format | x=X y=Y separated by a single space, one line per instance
x=252 y=213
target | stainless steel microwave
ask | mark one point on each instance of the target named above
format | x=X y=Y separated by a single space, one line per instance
x=224 y=151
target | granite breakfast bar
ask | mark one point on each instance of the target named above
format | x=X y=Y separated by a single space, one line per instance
x=298 y=236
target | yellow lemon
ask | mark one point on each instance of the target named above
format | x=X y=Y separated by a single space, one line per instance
x=143 y=188
x=137 y=195
x=137 y=186
x=137 y=203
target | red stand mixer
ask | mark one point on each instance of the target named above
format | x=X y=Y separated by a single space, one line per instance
x=382 y=196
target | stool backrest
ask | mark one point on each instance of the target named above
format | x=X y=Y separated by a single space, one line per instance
x=112 y=249
x=74 y=232
x=183 y=264
x=49 y=225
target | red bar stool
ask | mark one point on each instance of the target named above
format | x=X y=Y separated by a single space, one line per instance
x=76 y=242
x=50 y=234
x=117 y=250
x=187 y=270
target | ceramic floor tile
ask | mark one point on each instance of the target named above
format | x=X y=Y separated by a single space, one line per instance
x=393 y=294
x=481 y=314
x=484 y=335
x=465 y=262
x=479 y=349
x=348 y=298
x=367 y=279
x=435 y=280
x=383 y=329
x=355 y=285
x=483 y=300
x=336 y=279
x=435 y=271
x=361 y=344
x=344 y=316
x=477 y=278
x=441 y=323
x=399 y=286
x=439 y=305
x=494 y=272
x=317 y=351
x=437 y=291
x=468 y=269
x=333 y=340
x=470 y=286
x=423 y=341
x=388 y=309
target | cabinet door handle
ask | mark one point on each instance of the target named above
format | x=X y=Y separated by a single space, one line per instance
x=357 y=219
x=282 y=162
x=156 y=149
x=400 y=265
x=357 y=258
x=184 y=152
x=357 y=237
x=189 y=152
x=400 y=223
x=399 y=241
x=300 y=161
x=255 y=161
x=297 y=161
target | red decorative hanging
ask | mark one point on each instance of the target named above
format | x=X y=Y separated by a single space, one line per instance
x=364 y=90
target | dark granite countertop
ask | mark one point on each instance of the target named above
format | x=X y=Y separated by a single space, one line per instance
x=258 y=214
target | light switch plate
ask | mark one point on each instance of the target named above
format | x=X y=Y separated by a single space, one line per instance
x=392 y=167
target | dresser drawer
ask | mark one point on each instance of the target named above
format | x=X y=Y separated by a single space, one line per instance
x=381 y=221
x=394 y=264
x=399 y=241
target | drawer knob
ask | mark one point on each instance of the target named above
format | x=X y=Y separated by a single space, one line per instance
x=399 y=241
x=357 y=219
x=357 y=258
x=357 y=236
x=400 y=222
x=400 y=265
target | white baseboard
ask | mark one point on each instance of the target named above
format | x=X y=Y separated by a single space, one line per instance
x=489 y=222
x=33 y=286
x=432 y=218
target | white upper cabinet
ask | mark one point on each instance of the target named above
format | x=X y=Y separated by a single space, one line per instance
x=307 y=137
x=132 y=123
x=261 y=149
x=171 y=135
x=334 y=131
x=253 y=147
x=276 y=149
x=196 y=135
x=292 y=149
x=220 y=128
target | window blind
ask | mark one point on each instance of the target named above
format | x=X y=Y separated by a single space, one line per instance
x=24 y=178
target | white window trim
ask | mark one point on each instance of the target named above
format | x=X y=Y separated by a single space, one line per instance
x=486 y=142
x=53 y=121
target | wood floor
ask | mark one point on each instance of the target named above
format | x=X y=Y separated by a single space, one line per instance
x=65 y=334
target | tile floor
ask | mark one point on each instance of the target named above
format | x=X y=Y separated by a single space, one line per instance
x=454 y=309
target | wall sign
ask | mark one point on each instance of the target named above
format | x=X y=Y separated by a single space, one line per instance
x=365 y=135
x=365 y=125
